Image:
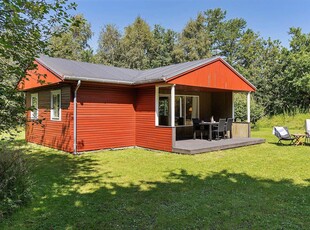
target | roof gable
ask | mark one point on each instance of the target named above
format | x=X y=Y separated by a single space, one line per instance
x=39 y=77
x=217 y=74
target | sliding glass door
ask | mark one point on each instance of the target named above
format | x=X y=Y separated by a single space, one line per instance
x=186 y=108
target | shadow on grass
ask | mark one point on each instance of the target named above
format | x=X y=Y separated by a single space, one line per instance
x=288 y=144
x=280 y=144
x=221 y=200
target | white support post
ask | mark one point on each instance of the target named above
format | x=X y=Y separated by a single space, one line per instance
x=249 y=107
x=233 y=106
x=156 y=105
x=172 y=113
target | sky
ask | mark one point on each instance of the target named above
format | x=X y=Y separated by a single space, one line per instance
x=270 y=18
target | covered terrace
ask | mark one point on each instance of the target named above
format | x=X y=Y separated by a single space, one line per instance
x=206 y=93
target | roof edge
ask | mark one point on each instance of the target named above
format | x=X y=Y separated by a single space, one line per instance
x=74 y=78
x=60 y=76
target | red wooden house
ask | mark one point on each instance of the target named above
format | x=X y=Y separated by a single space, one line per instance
x=86 y=106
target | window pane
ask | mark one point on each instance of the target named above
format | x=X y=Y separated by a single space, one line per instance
x=179 y=110
x=163 y=110
x=55 y=112
x=195 y=108
x=189 y=109
x=34 y=105
x=56 y=106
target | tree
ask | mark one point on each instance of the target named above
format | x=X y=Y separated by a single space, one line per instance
x=72 y=44
x=194 y=41
x=25 y=27
x=163 y=42
x=214 y=27
x=225 y=35
x=296 y=73
x=136 y=45
x=109 y=49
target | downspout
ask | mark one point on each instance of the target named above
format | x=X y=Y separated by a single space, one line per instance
x=75 y=118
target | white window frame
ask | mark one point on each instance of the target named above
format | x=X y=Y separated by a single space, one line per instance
x=55 y=92
x=37 y=107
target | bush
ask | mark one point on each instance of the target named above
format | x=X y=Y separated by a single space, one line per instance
x=15 y=181
x=240 y=101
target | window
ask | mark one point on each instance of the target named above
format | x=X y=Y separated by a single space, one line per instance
x=186 y=108
x=34 y=106
x=56 y=105
x=164 y=110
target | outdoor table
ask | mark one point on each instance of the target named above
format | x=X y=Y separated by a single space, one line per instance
x=210 y=124
x=298 y=138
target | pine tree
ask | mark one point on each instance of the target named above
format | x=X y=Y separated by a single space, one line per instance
x=136 y=44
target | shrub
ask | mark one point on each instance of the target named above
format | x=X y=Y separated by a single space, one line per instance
x=240 y=100
x=15 y=181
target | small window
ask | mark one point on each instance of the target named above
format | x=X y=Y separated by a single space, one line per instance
x=34 y=106
x=56 y=105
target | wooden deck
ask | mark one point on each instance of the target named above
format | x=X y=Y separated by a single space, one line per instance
x=203 y=146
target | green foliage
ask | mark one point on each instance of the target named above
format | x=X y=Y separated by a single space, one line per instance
x=136 y=44
x=72 y=44
x=194 y=41
x=240 y=100
x=25 y=27
x=163 y=44
x=15 y=181
x=285 y=77
x=109 y=49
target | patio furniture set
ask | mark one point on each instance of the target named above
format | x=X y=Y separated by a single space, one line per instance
x=219 y=129
x=283 y=134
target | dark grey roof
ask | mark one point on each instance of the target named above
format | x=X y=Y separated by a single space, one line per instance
x=74 y=70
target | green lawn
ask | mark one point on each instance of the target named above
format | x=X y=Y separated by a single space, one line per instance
x=257 y=187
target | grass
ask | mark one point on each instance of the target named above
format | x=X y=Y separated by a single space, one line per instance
x=296 y=121
x=257 y=187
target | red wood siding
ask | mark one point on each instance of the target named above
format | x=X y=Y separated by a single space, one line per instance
x=55 y=134
x=106 y=117
x=147 y=134
x=38 y=78
x=215 y=75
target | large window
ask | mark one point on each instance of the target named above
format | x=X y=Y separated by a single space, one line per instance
x=186 y=108
x=56 y=105
x=34 y=106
